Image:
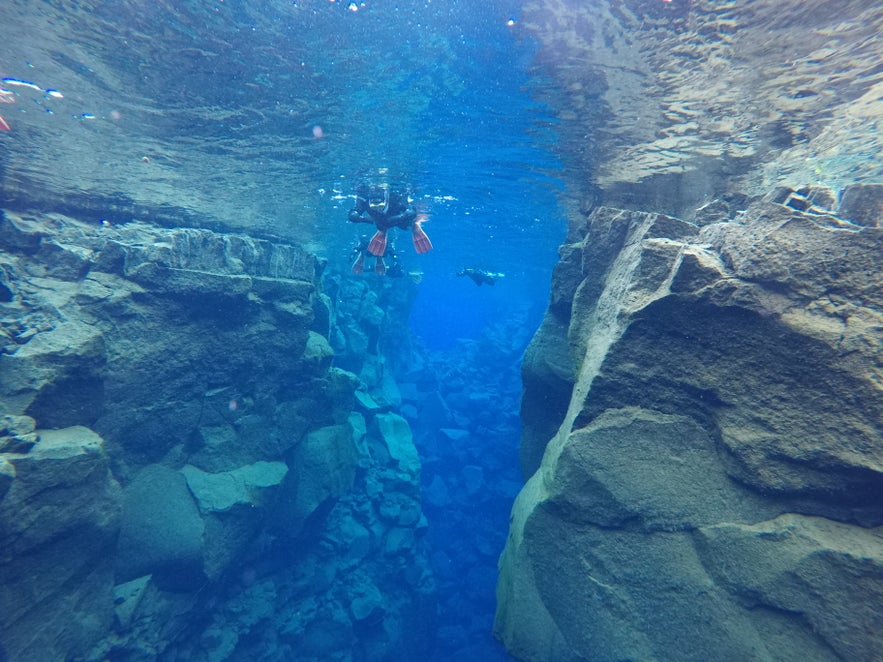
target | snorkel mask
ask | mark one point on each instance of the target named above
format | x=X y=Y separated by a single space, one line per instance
x=378 y=199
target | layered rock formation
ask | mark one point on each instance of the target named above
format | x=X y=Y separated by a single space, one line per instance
x=182 y=471
x=712 y=397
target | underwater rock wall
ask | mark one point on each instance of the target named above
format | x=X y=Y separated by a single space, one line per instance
x=183 y=474
x=703 y=433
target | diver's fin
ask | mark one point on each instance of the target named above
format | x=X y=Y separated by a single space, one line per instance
x=421 y=241
x=380 y=267
x=359 y=265
x=377 y=247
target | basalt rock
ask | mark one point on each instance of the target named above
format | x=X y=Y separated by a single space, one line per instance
x=180 y=348
x=59 y=519
x=170 y=317
x=704 y=436
x=162 y=532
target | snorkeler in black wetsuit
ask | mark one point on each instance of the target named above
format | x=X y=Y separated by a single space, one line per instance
x=480 y=276
x=388 y=209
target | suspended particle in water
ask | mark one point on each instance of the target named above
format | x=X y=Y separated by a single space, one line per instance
x=510 y=22
x=318 y=132
x=115 y=115
x=233 y=405
x=353 y=6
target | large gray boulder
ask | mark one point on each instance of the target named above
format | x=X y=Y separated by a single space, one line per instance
x=245 y=486
x=398 y=443
x=161 y=533
x=322 y=468
x=230 y=503
x=709 y=486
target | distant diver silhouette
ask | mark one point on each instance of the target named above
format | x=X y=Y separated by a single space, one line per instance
x=480 y=276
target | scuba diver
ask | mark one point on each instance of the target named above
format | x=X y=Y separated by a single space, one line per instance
x=388 y=209
x=480 y=276
x=361 y=252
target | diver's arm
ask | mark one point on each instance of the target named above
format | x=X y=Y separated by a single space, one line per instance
x=403 y=219
x=357 y=214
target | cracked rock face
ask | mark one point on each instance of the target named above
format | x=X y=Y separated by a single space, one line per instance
x=170 y=317
x=59 y=518
x=706 y=476
x=125 y=352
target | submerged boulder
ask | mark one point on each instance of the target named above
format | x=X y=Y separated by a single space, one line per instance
x=244 y=486
x=161 y=532
x=321 y=469
x=399 y=443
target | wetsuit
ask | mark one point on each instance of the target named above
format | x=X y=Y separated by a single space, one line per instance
x=397 y=214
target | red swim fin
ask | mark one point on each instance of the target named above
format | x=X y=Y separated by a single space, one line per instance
x=380 y=267
x=359 y=265
x=377 y=247
x=421 y=241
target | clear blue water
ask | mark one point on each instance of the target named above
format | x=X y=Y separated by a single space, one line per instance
x=485 y=166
